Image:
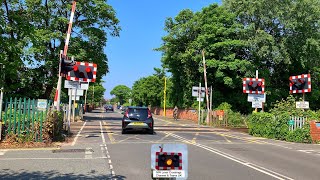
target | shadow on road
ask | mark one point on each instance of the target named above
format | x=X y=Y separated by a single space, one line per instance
x=25 y=174
x=99 y=118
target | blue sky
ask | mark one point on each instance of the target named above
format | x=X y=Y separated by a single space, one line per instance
x=131 y=56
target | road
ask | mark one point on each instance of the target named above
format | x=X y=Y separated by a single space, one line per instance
x=100 y=151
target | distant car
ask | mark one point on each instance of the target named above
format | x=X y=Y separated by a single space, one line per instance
x=109 y=108
x=137 y=118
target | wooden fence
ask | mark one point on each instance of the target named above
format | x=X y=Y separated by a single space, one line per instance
x=23 y=118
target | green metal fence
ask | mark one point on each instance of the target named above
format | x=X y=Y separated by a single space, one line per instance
x=22 y=117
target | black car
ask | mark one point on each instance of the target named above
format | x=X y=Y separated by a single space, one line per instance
x=137 y=118
x=109 y=108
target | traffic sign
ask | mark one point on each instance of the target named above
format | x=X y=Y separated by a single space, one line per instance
x=257 y=97
x=201 y=99
x=256 y=104
x=71 y=84
x=195 y=91
x=169 y=161
x=77 y=98
x=83 y=86
x=42 y=104
x=302 y=104
x=79 y=92
x=291 y=122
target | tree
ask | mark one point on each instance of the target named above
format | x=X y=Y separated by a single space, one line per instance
x=121 y=92
x=215 y=31
x=148 y=91
x=33 y=33
x=95 y=93
x=284 y=40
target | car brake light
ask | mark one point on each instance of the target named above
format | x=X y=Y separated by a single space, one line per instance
x=127 y=113
x=149 y=114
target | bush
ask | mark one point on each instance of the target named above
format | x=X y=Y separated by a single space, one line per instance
x=275 y=124
x=235 y=119
x=260 y=124
x=300 y=135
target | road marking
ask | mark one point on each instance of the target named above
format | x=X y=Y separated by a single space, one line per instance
x=104 y=147
x=307 y=151
x=2 y=152
x=102 y=135
x=76 y=138
x=109 y=134
x=164 y=137
x=235 y=159
x=226 y=138
x=32 y=149
x=124 y=139
x=13 y=159
x=195 y=137
x=88 y=153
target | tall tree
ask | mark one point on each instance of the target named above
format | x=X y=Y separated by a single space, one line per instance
x=121 y=92
x=148 y=91
x=284 y=40
x=34 y=33
x=215 y=31
x=95 y=93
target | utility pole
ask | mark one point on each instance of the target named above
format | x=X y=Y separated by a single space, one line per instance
x=164 y=96
x=206 y=85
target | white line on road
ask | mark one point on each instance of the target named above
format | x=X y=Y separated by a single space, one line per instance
x=2 y=152
x=104 y=149
x=76 y=138
x=102 y=135
x=235 y=159
x=13 y=159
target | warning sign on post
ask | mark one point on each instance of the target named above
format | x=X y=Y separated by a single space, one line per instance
x=169 y=174
x=169 y=161
x=302 y=104
x=256 y=104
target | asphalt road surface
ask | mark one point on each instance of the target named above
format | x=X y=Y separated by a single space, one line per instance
x=100 y=151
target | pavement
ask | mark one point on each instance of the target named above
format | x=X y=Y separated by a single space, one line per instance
x=99 y=151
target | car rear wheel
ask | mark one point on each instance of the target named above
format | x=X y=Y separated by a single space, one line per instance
x=151 y=131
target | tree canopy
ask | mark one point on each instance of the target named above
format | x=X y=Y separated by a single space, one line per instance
x=33 y=33
x=122 y=93
x=280 y=39
x=215 y=31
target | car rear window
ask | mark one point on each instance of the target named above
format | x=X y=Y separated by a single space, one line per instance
x=142 y=112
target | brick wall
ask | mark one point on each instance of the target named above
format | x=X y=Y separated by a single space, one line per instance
x=189 y=114
x=315 y=131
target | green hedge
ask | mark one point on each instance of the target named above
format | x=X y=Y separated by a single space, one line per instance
x=267 y=125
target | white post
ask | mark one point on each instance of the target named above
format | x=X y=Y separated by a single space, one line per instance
x=1 y=95
x=211 y=98
x=206 y=85
x=69 y=109
x=74 y=105
x=85 y=99
x=199 y=96
x=257 y=73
